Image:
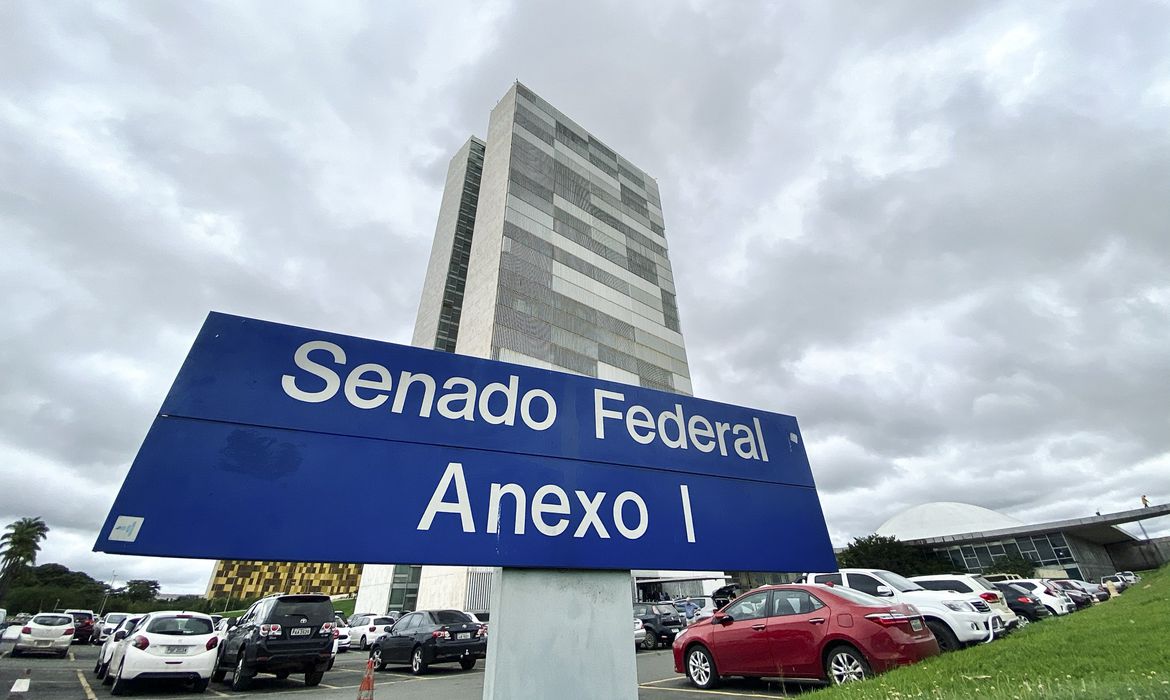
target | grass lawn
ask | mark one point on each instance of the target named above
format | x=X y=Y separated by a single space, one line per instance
x=1117 y=649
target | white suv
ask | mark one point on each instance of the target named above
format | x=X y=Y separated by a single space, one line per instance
x=1051 y=596
x=969 y=583
x=956 y=619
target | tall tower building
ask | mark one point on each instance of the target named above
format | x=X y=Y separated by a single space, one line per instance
x=550 y=251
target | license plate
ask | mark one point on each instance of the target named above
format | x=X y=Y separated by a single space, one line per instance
x=175 y=650
x=916 y=625
x=300 y=631
x=43 y=642
x=463 y=635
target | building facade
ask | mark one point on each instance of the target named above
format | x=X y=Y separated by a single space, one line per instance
x=550 y=251
x=242 y=580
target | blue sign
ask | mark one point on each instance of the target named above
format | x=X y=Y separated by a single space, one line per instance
x=270 y=429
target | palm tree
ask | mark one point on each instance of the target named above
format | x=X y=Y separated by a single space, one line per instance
x=20 y=544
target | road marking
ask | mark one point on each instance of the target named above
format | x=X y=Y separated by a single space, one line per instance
x=213 y=691
x=71 y=656
x=326 y=685
x=707 y=692
x=20 y=685
x=85 y=685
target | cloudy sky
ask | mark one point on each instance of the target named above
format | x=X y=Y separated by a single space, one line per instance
x=938 y=235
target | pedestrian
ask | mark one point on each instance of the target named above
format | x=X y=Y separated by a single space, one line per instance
x=690 y=608
x=1145 y=501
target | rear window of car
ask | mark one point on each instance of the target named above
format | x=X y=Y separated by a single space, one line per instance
x=52 y=620
x=449 y=617
x=382 y=621
x=179 y=626
x=945 y=585
x=318 y=609
x=79 y=616
x=114 y=619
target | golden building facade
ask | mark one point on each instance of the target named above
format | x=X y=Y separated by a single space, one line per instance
x=254 y=579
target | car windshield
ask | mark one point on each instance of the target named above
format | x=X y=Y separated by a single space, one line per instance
x=1012 y=588
x=897 y=582
x=179 y=626
x=114 y=618
x=859 y=598
x=665 y=610
x=449 y=617
x=52 y=620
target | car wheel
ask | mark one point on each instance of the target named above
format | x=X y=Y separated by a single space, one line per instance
x=365 y=645
x=121 y=685
x=947 y=641
x=218 y=674
x=1023 y=621
x=651 y=639
x=1050 y=609
x=376 y=657
x=313 y=678
x=845 y=665
x=200 y=685
x=14 y=653
x=64 y=654
x=467 y=664
x=417 y=665
x=241 y=680
x=701 y=667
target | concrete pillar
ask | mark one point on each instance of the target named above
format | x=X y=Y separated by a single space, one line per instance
x=562 y=633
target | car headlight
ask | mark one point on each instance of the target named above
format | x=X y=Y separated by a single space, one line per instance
x=959 y=605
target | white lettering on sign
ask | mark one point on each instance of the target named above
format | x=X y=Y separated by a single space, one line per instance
x=370 y=385
x=668 y=428
x=551 y=509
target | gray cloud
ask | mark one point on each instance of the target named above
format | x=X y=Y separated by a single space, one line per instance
x=934 y=234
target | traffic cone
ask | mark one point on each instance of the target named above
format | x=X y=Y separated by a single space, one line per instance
x=366 y=689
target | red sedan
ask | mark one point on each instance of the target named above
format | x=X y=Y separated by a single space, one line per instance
x=803 y=632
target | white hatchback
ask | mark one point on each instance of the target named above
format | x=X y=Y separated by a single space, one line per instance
x=113 y=639
x=169 y=644
x=1051 y=596
x=45 y=632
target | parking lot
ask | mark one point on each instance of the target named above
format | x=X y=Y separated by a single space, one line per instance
x=45 y=678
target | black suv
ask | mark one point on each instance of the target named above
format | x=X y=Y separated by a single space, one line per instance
x=661 y=621
x=280 y=634
x=431 y=637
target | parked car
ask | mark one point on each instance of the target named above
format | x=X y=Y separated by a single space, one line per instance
x=83 y=624
x=955 y=619
x=427 y=637
x=1079 y=597
x=1051 y=596
x=970 y=583
x=171 y=644
x=1129 y=576
x=105 y=627
x=1099 y=592
x=803 y=631
x=996 y=578
x=1117 y=580
x=280 y=634
x=101 y=668
x=639 y=633
x=45 y=633
x=662 y=621
x=1026 y=607
x=367 y=628
x=341 y=633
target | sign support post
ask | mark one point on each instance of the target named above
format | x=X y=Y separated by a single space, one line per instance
x=561 y=633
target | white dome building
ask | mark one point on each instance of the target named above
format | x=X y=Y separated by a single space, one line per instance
x=944 y=518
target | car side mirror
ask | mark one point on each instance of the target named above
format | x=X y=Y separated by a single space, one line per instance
x=120 y=635
x=885 y=591
x=723 y=619
x=387 y=628
x=232 y=622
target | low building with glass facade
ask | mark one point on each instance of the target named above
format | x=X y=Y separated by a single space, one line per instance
x=973 y=538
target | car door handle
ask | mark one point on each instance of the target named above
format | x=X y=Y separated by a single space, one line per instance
x=816 y=620
x=758 y=628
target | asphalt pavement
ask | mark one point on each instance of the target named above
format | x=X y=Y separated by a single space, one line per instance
x=50 y=678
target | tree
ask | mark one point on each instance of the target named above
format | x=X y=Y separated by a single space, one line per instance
x=20 y=544
x=140 y=590
x=881 y=552
x=1013 y=564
